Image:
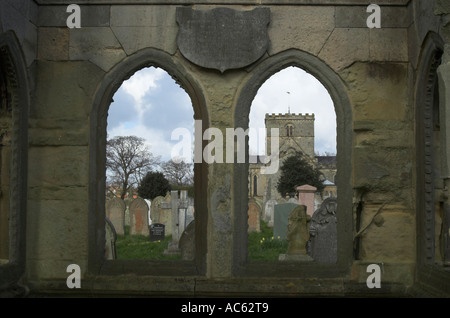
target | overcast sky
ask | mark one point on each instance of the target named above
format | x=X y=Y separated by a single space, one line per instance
x=151 y=105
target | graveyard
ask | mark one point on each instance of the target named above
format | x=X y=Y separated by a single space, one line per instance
x=378 y=228
x=267 y=241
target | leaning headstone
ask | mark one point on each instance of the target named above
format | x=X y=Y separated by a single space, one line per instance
x=281 y=215
x=115 y=212
x=139 y=217
x=297 y=235
x=110 y=240
x=322 y=245
x=157 y=232
x=254 y=216
x=187 y=243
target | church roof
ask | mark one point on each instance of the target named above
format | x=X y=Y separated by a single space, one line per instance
x=326 y=161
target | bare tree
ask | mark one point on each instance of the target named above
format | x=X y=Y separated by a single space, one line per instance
x=178 y=172
x=128 y=160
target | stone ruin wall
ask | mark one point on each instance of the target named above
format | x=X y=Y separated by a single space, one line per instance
x=376 y=69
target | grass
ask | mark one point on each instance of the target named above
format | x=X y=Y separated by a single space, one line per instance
x=264 y=246
x=261 y=246
x=140 y=247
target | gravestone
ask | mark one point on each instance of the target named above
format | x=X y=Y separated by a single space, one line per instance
x=322 y=245
x=268 y=212
x=173 y=248
x=254 y=216
x=110 y=240
x=306 y=197
x=139 y=217
x=149 y=204
x=185 y=211
x=187 y=243
x=157 y=232
x=297 y=235
x=162 y=212
x=155 y=206
x=281 y=215
x=190 y=214
x=115 y=212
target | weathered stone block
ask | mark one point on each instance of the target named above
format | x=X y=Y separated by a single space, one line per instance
x=138 y=27
x=390 y=236
x=42 y=269
x=388 y=45
x=90 y=16
x=346 y=46
x=53 y=192
x=50 y=132
x=97 y=45
x=53 y=44
x=135 y=38
x=143 y=16
x=306 y=28
x=59 y=166
x=378 y=90
x=56 y=229
x=441 y=7
x=75 y=84
x=356 y=17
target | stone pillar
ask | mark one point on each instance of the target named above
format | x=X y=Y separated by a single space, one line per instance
x=442 y=8
x=446 y=225
x=306 y=197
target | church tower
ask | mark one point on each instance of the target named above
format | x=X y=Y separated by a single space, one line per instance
x=296 y=133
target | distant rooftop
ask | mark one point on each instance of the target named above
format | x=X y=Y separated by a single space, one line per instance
x=326 y=161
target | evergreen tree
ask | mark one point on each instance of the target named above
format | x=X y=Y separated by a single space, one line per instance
x=296 y=171
x=152 y=185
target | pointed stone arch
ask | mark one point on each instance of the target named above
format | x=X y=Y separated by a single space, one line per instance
x=15 y=104
x=336 y=88
x=98 y=122
x=431 y=165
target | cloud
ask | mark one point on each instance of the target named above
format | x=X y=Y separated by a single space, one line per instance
x=151 y=105
x=294 y=90
x=122 y=109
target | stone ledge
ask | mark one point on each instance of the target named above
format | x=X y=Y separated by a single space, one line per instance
x=228 y=2
x=198 y=287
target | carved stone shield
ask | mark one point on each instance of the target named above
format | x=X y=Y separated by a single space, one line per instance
x=222 y=38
